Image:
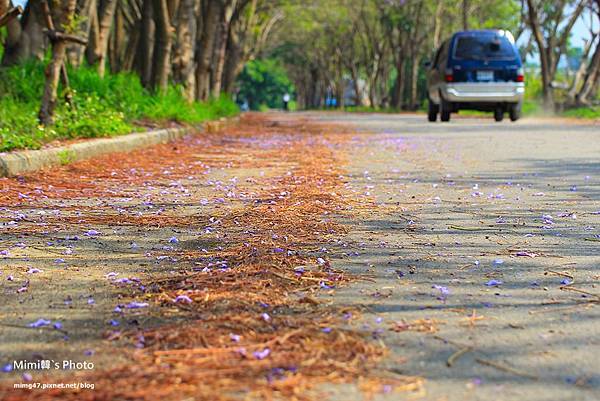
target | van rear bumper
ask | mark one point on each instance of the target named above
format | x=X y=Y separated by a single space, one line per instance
x=505 y=92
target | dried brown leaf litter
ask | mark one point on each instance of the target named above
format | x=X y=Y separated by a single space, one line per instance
x=253 y=327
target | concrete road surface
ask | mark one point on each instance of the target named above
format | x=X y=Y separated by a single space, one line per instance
x=485 y=254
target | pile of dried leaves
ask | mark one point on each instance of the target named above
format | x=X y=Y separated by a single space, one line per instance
x=254 y=326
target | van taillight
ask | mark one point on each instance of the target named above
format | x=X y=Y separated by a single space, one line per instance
x=449 y=78
x=520 y=75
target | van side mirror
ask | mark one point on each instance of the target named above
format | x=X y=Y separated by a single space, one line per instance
x=427 y=64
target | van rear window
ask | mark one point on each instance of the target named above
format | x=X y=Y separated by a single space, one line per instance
x=483 y=47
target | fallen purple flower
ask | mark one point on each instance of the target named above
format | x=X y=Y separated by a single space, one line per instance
x=7 y=368
x=40 y=323
x=57 y=325
x=173 y=240
x=136 y=305
x=493 y=283
x=27 y=377
x=183 y=299
x=262 y=354
x=235 y=338
x=565 y=281
x=33 y=271
x=91 y=233
x=443 y=290
x=266 y=317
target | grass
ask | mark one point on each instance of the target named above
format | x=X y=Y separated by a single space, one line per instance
x=105 y=107
x=583 y=112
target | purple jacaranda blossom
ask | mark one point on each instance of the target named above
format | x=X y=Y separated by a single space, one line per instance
x=565 y=281
x=443 y=290
x=136 y=305
x=118 y=309
x=527 y=254
x=184 y=299
x=33 y=270
x=114 y=322
x=111 y=275
x=7 y=368
x=123 y=280
x=387 y=389
x=27 y=377
x=91 y=233
x=22 y=289
x=57 y=325
x=10 y=278
x=91 y=301
x=88 y=352
x=59 y=260
x=262 y=354
x=498 y=261
x=235 y=338
x=326 y=329
x=321 y=261
x=278 y=250
x=493 y=283
x=173 y=240
x=265 y=317
x=325 y=286
x=40 y=323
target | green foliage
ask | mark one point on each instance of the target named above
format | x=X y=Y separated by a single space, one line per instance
x=66 y=156
x=584 y=112
x=101 y=107
x=263 y=83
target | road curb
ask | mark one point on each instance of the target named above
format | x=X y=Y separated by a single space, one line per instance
x=15 y=163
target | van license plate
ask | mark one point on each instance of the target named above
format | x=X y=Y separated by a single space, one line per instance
x=485 y=75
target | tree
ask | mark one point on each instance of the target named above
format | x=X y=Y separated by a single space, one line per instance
x=550 y=28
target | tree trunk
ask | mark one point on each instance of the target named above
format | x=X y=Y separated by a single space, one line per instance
x=414 y=82
x=105 y=22
x=220 y=48
x=75 y=53
x=591 y=79
x=25 y=39
x=209 y=28
x=59 y=47
x=398 y=93
x=162 y=46
x=465 y=15
x=183 y=63
x=146 y=44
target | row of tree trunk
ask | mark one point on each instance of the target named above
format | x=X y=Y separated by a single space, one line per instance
x=200 y=45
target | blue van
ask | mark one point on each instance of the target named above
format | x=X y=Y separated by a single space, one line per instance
x=476 y=70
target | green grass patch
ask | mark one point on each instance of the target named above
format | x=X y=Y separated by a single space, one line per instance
x=104 y=107
x=583 y=112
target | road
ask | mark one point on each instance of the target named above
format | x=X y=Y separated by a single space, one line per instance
x=472 y=244
x=480 y=227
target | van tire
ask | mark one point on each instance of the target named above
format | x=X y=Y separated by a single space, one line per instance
x=498 y=115
x=432 y=111
x=445 y=110
x=515 y=112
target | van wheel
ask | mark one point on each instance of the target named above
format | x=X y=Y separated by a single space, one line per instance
x=446 y=108
x=498 y=115
x=515 y=112
x=432 y=111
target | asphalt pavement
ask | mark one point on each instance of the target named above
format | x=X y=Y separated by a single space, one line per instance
x=483 y=252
